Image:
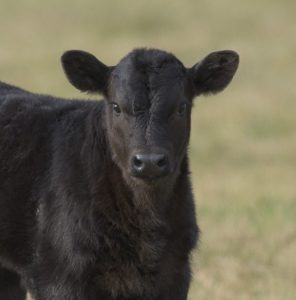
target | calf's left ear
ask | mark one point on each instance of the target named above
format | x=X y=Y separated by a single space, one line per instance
x=214 y=72
x=85 y=71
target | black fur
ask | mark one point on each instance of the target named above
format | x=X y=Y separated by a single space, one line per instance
x=74 y=222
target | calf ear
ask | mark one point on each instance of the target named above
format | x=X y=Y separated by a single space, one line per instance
x=214 y=72
x=85 y=71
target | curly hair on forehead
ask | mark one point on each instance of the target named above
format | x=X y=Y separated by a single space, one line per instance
x=147 y=59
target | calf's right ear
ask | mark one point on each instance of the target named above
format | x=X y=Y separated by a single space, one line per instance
x=85 y=71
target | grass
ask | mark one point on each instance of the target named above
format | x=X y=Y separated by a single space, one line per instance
x=243 y=146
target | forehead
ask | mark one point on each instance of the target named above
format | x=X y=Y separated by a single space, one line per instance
x=147 y=76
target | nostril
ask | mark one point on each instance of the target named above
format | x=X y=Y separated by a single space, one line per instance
x=162 y=162
x=137 y=162
x=151 y=165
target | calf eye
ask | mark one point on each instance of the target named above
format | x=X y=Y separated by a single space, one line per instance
x=182 y=109
x=116 y=108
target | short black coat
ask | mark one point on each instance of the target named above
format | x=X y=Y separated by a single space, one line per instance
x=68 y=223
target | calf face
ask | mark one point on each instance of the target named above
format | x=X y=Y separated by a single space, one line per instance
x=148 y=104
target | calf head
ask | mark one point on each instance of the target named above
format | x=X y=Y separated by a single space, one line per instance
x=148 y=97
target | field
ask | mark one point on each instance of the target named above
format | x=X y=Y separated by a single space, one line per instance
x=243 y=145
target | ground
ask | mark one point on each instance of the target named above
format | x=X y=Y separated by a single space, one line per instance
x=243 y=146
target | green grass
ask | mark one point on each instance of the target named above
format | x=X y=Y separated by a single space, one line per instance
x=243 y=146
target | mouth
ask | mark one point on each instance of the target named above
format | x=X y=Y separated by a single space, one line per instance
x=147 y=178
x=150 y=178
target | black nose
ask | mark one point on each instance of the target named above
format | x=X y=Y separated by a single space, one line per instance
x=150 y=165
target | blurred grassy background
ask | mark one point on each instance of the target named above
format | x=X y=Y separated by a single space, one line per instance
x=243 y=146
